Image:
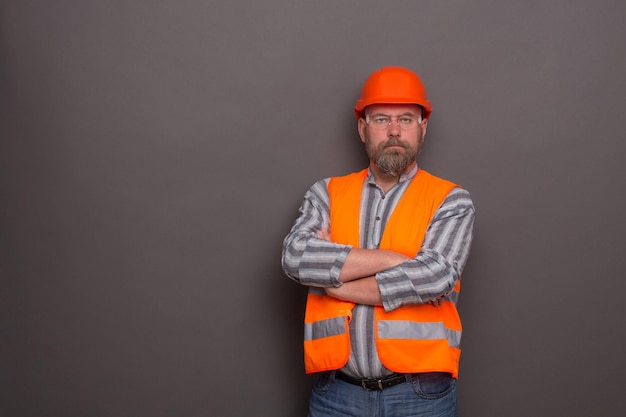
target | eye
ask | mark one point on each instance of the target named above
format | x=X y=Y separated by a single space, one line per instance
x=405 y=120
x=381 y=120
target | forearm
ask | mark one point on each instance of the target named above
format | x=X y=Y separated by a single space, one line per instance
x=361 y=263
x=314 y=262
x=426 y=278
x=360 y=291
x=308 y=257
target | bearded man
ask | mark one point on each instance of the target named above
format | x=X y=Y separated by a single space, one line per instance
x=381 y=251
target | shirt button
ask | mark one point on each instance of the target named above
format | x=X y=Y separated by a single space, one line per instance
x=377 y=218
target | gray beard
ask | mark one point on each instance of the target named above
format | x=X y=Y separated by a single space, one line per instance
x=393 y=163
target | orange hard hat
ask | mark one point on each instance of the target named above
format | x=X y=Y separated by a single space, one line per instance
x=394 y=85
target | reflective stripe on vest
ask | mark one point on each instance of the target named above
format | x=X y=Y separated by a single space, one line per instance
x=396 y=329
x=324 y=328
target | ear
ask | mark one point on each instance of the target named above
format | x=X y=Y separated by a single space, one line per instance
x=362 y=125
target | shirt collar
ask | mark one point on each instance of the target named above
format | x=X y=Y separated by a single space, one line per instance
x=404 y=177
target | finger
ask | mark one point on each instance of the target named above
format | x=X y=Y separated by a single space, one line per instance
x=323 y=234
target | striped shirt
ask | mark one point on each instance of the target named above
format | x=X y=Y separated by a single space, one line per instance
x=433 y=272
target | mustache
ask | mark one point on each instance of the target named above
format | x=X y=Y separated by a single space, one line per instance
x=394 y=141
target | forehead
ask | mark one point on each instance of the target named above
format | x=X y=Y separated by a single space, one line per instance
x=393 y=109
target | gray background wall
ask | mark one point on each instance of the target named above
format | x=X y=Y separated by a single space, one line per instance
x=153 y=154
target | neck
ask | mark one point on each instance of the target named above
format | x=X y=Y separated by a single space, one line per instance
x=384 y=180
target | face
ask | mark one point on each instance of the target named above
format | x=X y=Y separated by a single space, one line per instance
x=393 y=150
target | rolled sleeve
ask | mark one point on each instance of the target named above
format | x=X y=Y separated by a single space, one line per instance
x=306 y=258
x=437 y=267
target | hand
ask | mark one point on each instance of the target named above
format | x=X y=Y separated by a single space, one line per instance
x=324 y=234
x=438 y=301
x=332 y=291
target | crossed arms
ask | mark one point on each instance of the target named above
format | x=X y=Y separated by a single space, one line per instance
x=375 y=276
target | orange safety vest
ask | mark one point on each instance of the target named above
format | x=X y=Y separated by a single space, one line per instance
x=410 y=339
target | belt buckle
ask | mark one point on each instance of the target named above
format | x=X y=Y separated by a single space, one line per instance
x=379 y=383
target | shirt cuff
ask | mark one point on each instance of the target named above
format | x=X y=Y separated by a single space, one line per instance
x=390 y=288
x=335 y=270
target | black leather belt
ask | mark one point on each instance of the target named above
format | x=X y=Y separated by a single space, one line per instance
x=374 y=384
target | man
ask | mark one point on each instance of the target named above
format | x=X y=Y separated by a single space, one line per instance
x=382 y=251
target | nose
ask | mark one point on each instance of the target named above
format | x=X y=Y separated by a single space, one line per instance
x=394 y=127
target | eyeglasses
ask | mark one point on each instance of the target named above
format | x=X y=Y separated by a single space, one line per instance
x=383 y=121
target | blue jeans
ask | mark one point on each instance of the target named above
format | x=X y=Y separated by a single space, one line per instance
x=427 y=394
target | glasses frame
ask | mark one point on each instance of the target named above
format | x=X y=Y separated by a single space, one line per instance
x=368 y=119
